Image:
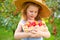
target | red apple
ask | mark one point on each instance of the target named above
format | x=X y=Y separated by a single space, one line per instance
x=40 y=23
x=33 y=23
x=29 y=25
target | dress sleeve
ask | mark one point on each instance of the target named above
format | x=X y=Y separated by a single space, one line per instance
x=21 y=22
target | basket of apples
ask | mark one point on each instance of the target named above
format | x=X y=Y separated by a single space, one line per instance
x=29 y=26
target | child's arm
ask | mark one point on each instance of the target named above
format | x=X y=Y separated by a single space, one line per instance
x=19 y=34
x=42 y=32
x=34 y=34
x=45 y=33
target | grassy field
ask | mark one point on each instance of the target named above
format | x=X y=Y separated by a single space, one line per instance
x=5 y=34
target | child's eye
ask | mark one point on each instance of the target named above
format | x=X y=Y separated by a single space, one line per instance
x=31 y=11
x=36 y=12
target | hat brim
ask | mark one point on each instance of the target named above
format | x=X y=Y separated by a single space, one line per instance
x=44 y=13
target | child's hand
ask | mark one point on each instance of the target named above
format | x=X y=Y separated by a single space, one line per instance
x=35 y=29
x=35 y=34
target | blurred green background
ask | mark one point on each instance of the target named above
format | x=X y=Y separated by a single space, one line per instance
x=9 y=19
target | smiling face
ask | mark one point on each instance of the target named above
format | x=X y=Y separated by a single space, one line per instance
x=32 y=12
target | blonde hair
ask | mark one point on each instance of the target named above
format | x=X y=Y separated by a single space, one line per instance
x=25 y=6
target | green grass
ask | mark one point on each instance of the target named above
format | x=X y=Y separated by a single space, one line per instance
x=5 y=34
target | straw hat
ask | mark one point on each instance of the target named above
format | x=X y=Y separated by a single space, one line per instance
x=45 y=12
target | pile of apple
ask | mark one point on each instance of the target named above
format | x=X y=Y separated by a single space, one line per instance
x=29 y=26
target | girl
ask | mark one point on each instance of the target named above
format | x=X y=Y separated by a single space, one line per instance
x=31 y=27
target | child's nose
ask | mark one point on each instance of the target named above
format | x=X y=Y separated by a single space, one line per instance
x=32 y=13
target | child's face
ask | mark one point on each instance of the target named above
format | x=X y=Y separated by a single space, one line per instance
x=32 y=12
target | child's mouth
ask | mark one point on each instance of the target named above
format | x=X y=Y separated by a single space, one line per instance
x=32 y=16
